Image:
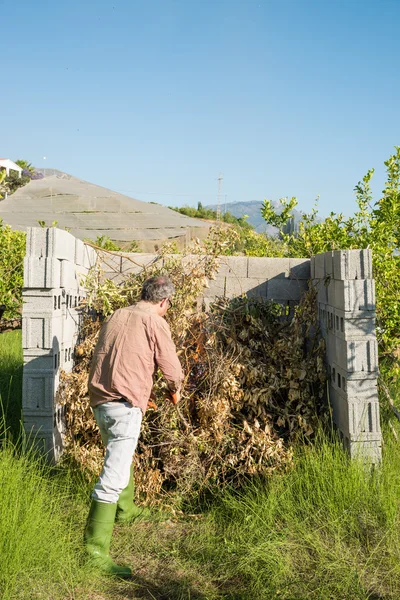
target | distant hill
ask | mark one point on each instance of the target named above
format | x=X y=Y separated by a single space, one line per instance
x=253 y=210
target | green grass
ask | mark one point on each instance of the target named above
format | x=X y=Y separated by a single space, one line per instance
x=11 y=363
x=327 y=529
x=40 y=530
x=42 y=510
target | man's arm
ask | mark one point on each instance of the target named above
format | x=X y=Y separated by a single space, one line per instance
x=167 y=359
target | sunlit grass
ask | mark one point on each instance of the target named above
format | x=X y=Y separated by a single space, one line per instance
x=328 y=529
x=11 y=363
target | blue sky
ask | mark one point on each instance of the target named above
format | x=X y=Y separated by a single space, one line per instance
x=154 y=98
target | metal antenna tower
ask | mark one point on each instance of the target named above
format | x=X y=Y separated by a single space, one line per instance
x=219 y=197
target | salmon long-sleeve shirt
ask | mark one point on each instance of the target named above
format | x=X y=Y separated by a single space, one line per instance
x=132 y=343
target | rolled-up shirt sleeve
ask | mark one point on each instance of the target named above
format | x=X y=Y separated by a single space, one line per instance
x=166 y=357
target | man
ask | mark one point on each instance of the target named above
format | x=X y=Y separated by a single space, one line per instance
x=133 y=342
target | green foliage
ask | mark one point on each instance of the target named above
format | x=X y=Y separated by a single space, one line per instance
x=235 y=240
x=41 y=524
x=11 y=364
x=12 y=252
x=105 y=242
x=374 y=225
x=44 y=225
x=208 y=213
x=24 y=164
x=13 y=182
x=134 y=247
x=324 y=530
x=240 y=238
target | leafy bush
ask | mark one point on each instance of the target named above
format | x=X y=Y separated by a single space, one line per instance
x=106 y=243
x=375 y=225
x=12 y=182
x=208 y=213
x=12 y=252
x=238 y=235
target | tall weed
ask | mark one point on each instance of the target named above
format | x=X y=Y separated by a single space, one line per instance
x=327 y=529
x=41 y=527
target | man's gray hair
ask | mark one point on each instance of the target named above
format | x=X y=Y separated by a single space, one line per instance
x=156 y=289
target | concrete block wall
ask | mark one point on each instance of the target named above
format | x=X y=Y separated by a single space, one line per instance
x=280 y=279
x=55 y=267
x=54 y=270
x=346 y=310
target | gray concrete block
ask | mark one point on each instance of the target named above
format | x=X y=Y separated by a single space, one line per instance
x=116 y=278
x=42 y=273
x=252 y=287
x=322 y=291
x=215 y=289
x=38 y=301
x=110 y=262
x=67 y=355
x=81 y=274
x=349 y=326
x=352 y=264
x=312 y=267
x=353 y=295
x=79 y=253
x=35 y=424
x=234 y=266
x=136 y=262
x=70 y=328
x=268 y=268
x=40 y=360
x=68 y=275
x=369 y=452
x=89 y=257
x=319 y=266
x=299 y=268
x=353 y=355
x=349 y=387
x=41 y=330
x=330 y=347
x=322 y=316
x=71 y=300
x=286 y=289
x=328 y=264
x=47 y=434
x=50 y=242
x=358 y=420
x=38 y=390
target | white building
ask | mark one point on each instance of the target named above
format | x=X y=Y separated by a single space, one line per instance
x=9 y=165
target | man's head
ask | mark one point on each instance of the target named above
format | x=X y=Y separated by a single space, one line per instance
x=158 y=290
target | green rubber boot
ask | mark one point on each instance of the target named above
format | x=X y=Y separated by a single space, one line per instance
x=127 y=510
x=98 y=532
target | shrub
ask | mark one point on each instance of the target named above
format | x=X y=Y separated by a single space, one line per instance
x=12 y=252
x=375 y=225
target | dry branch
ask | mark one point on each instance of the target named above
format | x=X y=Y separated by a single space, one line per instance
x=254 y=383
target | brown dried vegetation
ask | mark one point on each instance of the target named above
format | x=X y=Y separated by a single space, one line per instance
x=254 y=383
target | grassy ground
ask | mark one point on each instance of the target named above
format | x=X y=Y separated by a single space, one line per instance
x=11 y=360
x=327 y=529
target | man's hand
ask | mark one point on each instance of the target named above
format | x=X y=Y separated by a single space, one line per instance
x=173 y=397
x=151 y=403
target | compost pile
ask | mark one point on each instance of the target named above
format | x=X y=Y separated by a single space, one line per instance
x=254 y=384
